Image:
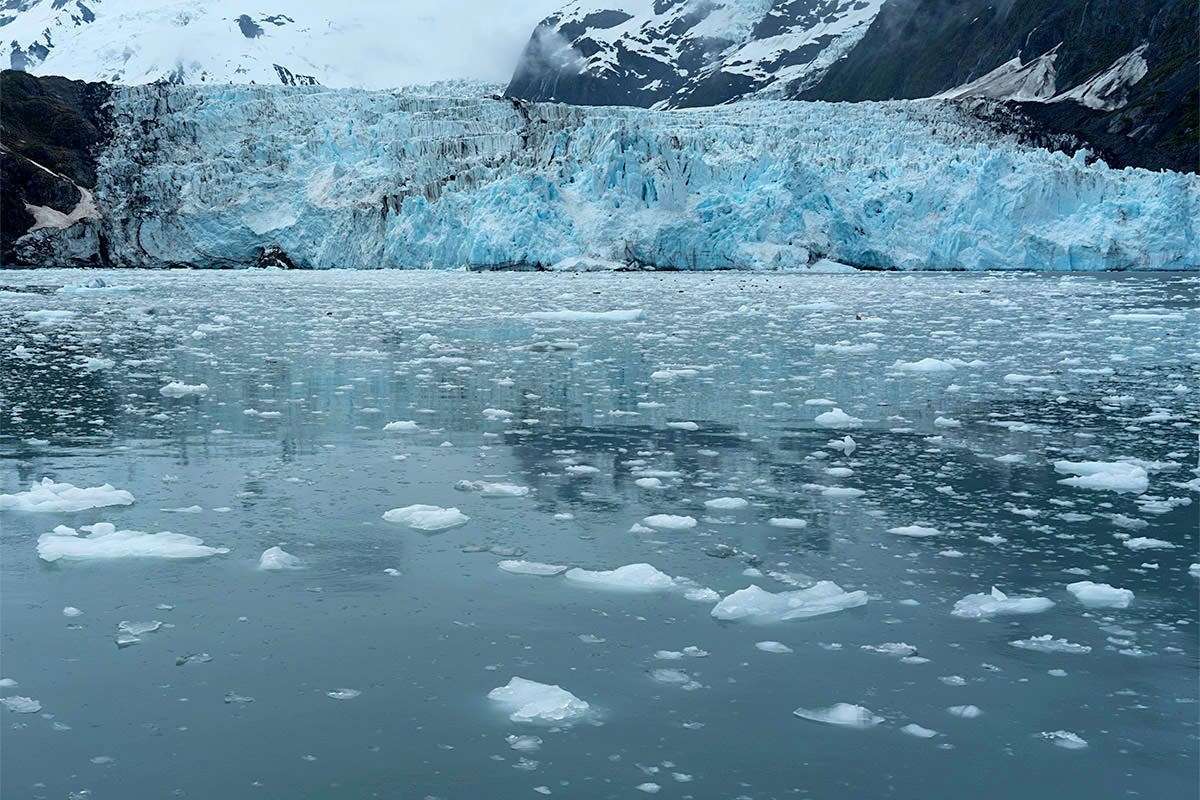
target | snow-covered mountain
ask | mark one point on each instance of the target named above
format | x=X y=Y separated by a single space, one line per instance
x=426 y=179
x=682 y=53
x=350 y=43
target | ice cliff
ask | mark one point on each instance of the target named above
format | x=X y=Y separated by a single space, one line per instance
x=213 y=176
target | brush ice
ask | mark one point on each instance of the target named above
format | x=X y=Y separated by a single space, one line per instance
x=588 y=316
x=670 y=522
x=996 y=603
x=181 y=389
x=276 y=558
x=755 y=604
x=104 y=541
x=844 y=714
x=1100 y=595
x=914 y=530
x=426 y=517
x=1048 y=644
x=1116 y=476
x=836 y=418
x=530 y=701
x=531 y=568
x=51 y=497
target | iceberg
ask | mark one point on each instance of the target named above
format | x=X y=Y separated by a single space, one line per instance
x=758 y=605
x=51 y=497
x=530 y=701
x=106 y=542
x=996 y=602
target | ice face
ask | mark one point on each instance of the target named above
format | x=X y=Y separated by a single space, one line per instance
x=106 y=542
x=758 y=605
x=1100 y=595
x=997 y=603
x=530 y=701
x=51 y=497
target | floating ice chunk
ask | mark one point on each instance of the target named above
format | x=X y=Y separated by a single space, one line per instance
x=183 y=510
x=846 y=444
x=276 y=558
x=649 y=483
x=71 y=611
x=983 y=606
x=629 y=315
x=49 y=317
x=91 y=364
x=1048 y=644
x=105 y=541
x=914 y=530
x=841 y=491
x=649 y=787
x=677 y=677
x=343 y=694
x=966 y=712
x=773 y=647
x=531 y=568
x=669 y=522
x=845 y=714
x=1100 y=595
x=530 y=701
x=1116 y=476
x=98 y=286
x=924 y=365
x=581 y=469
x=401 y=426
x=181 y=389
x=502 y=490
x=1194 y=570
x=524 y=744
x=758 y=605
x=1146 y=317
x=138 y=628
x=787 y=522
x=837 y=418
x=631 y=577
x=913 y=729
x=1146 y=543
x=1067 y=739
x=947 y=422
x=427 y=518
x=684 y=426
x=726 y=503
x=21 y=705
x=7 y=683
x=896 y=649
x=691 y=651
x=51 y=497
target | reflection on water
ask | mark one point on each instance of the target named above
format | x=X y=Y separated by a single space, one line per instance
x=715 y=392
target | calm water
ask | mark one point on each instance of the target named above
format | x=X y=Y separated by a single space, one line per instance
x=287 y=448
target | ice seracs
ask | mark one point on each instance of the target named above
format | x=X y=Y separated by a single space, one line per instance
x=51 y=497
x=996 y=603
x=530 y=701
x=755 y=604
x=104 y=541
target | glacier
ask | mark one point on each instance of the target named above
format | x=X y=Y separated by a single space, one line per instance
x=214 y=176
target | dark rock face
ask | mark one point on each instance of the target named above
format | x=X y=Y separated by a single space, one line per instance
x=273 y=257
x=50 y=132
x=917 y=48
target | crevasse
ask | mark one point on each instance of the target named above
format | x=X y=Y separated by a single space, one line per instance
x=208 y=176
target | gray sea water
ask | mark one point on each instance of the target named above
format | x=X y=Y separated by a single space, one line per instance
x=713 y=391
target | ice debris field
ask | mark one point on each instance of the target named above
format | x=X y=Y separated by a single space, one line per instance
x=599 y=535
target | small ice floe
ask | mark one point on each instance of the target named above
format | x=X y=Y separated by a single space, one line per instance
x=758 y=605
x=915 y=530
x=684 y=425
x=947 y=422
x=649 y=483
x=1066 y=739
x=524 y=744
x=639 y=578
x=427 y=518
x=996 y=603
x=49 y=317
x=848 y=492
x=21 y=705
x=670 y=522
x=895 y=649
x=726 y=503
x=71 y=611
x=401 y=426
x=844 y=714
x=924 y=365
x=1100 y=595
x=486 y=489
x=965 y=712
x=913 y=729
x=181 y=389
x=531 y=568
x=619 y=315
x=1194 y=570
x=846 y=445
x=1146 y=543
x=773 y=647
x=90 y=364
x=836 y=418
x=57 y=498
x=343 y=694
x=7 y=683
x=530 y=701
x=105 y=541
x=649 y=787
x=130 y=633
x=276 y=558
x=98 y=286
x=193 y=658
x=183 y=510
x=691 y=651
x=677 y=677
x=787 y=522
x=1048 y=644
x=1115 y=476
